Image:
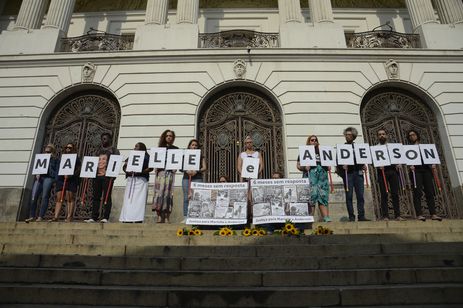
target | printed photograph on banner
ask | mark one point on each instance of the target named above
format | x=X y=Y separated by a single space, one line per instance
x=262 y=209
x=299 y=209
x=223 y=197
x=238 y=195
x=239 y=210
x=277 y=207
x=290 y=194
x=194 y=208
x=221 y=211
x=258 y=194
x=207 y=209
x=202 y=195
x=303 y=193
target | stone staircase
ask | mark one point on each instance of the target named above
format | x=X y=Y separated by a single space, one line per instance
x=402 y=264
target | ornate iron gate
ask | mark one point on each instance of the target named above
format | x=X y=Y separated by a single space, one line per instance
x=398 y=112
x=81 y=120
x=231 y=116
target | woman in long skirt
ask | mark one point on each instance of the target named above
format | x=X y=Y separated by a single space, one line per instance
x=163 y=188
x=136 y=190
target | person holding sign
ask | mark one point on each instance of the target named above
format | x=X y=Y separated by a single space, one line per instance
x=66 y=185
x=43 y=184
x=352 y=176
x=318 y=176
x=249 y=153
x=101 y=184
x=424 y=181
x=137 y=173
x=192 y=176
x=163 y=188
x=387 y=175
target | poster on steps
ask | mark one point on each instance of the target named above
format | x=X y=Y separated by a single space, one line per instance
x=217 y=204
x=279 y=200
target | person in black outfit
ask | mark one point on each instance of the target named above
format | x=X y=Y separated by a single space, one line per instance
x=392 y=178
x=424 y=181
x=101 y=182
x=355 y=180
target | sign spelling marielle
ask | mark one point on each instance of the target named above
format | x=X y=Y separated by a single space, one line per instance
x=41 y=164
x=67 y=164
x=250 y=168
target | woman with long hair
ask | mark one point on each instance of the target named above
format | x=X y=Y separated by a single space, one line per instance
x=70 y=183
x=318 y=176
x=136 y=190
x=192 y=176
x=43 y=185
x=163 y=188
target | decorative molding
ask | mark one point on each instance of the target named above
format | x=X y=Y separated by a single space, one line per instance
x=239 y=68
x=392 y=69
x=88 y=72
x=239 y=38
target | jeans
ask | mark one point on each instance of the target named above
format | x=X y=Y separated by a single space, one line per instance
x=44 y=189
x=355 y=182
x=185 y=194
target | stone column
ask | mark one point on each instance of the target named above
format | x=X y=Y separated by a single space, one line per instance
x=433 y=34
x=187 y=11
x=421 y=12
x=59 y=15
x=30 y=14
x=156 y=12
x=290 y=11
x=321 y=11
x=449 y=11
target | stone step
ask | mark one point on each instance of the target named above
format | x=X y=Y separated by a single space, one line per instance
x=401 y=294
x=231 y=278
x=285 y=248
x=216 y=263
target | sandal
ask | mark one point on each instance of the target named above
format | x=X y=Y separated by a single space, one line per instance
x=53 y=219
x=421 y=217
x=435 y=217
x=28 y=220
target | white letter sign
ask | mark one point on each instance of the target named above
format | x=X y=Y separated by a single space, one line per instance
x=412 y=154
x=41 y=164
x=429 y=154
x=191 y=159
x=345 y=154
x=379 y=156
x=362 y=153
x=114 y=165
x=157 y=158
x=135 y=161
x=250 y=168
x=89 y=167
x=174 y=159
x=327 y=156
x=396 y=156
x=67 y=164
x=307 y=156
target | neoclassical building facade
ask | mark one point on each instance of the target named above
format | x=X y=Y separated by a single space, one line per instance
x=278 y=71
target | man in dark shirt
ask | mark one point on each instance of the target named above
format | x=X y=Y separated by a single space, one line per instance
x=354 y=180
x=101 y=182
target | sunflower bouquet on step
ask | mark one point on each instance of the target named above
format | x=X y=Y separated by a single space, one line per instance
x=189 y=232
x=225 y=231
x=256 y=231
x=289 y=229
x=320 y=230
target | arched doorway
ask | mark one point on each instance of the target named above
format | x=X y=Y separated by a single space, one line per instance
x=231 y=115
x=81 y=119
x=397 y=111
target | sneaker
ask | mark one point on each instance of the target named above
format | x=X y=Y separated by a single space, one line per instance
x=363 y=219
x=327 y=219
x=398 y=218
x=39 y=219
x=104 y=220
x=89 y=220
x=421 y=217
x=435 y=217
x=29 y=219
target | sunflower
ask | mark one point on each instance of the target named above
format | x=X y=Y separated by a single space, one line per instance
x=289 y=227
x=255 y=232
x=191 y=232
x=180 y=232
x=246 y=232
x=222 y=232
x=262 y=232
x=284 y=232
x=197 y=232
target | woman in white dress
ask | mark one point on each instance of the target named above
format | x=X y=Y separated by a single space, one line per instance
x=136 y=190
x=249 y=152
